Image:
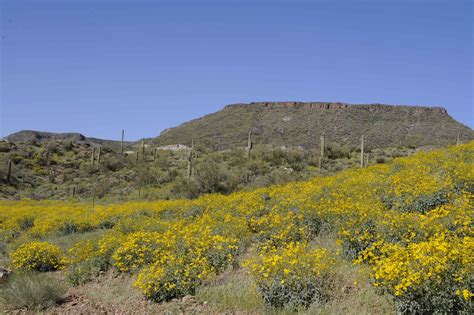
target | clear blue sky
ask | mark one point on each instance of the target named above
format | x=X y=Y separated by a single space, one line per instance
x=96 y=67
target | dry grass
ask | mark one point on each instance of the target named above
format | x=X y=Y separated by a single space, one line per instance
x=31 y=291
x=232 y=292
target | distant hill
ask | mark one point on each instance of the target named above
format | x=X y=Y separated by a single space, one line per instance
x=42 y=136
x=301 y=124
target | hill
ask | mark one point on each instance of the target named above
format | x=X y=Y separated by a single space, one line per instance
x=301 y=124
x=41 y=137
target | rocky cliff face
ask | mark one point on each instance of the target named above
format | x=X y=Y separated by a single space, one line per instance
x=301 y=124
x=337 y=105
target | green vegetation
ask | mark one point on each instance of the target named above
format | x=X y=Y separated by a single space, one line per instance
x=65 y=169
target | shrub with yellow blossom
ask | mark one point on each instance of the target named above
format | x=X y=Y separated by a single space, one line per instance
x=38 y=256
x=425 y=277
x=82 y=251
x=172 y=276
x=138 y=249
x=295 y=275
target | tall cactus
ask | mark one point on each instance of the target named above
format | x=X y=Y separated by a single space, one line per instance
x=154 y=155
x=458 y=139
x=367 y=157
x=249 y=144
x=362 y=151
x=9 y=170
x=98 y=157
x=121 y=143
x=92 y=157
x=143 y=149
x=321 y=155
x=190 y=160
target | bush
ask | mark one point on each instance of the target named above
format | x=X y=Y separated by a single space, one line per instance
x=336 y=151
x=82 y=251
x=38 y=256
x=184 y=188
x=220 y=252
x=427 y=277
x=83 y=272
x=32 y=291
x=138 y=249
x=172 y=276
x=294 y=276
x=113 y=164
x=212 y=178
x=188 y=260
x=296 y=160
x=421 y=203
x=86 y=263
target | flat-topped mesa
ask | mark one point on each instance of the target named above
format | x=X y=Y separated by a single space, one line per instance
x=338 y=105
x=300 y=124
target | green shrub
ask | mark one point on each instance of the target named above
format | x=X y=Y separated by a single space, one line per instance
x=32 y=291
x=84 y=271
x=336 y=151
x=184 y=188
x=421 y=204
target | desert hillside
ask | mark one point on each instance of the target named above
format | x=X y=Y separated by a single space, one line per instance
x=301 y=124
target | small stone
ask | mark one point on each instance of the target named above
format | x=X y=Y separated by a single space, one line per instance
x=188 y=299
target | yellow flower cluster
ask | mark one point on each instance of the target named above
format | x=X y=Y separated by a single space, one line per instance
x=138 y=249
x=38 y=256
x=424 y=264
x=400 y=215
x=430 y=275
x=295 y=274
x=172 y=276
x=83 y=251
x=188 y=259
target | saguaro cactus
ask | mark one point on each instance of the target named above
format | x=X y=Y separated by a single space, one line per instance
x=98 y=157
x=51 y=176
x=9 y=170
x=154 y=155
x=367 y=158
x=321 y=155
x=249 y=144
x=92 y=157
x=73 y=191
x=190 y=160
x=121 y=143
x=362 y=151
x=143 y=149
x=458 y=139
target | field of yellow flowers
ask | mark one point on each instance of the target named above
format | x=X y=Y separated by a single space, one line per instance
x=409 y=222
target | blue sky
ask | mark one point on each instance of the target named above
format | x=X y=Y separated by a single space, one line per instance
x=96 y=67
